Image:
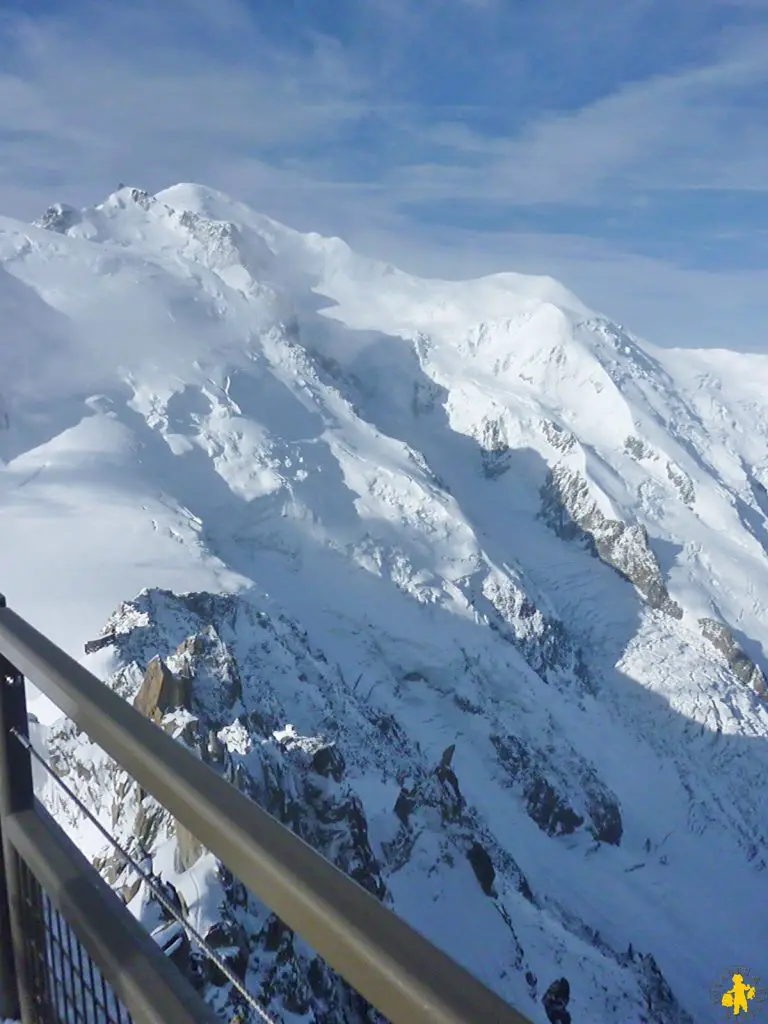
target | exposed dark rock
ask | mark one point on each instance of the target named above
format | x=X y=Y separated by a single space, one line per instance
x=217 y=684
x=329 y=762
x=439 y=791
x=236 y=959
x=327 y=815
x=483 y=867
x=142 y=198
x=192 y=647
x=92 y=646
x=318 y=979
x=447 y=776
x=60 y=218
x=273 y=932
x=606 y=818
x=447 y=758
x=414 y=677
x=638 y=449
x=495 y=450
x=426 y=395
x=569 y=509
x=225 y=933
x=742 y=667
x=173 y=897
x=560 y=796
x=627 y=360
x=660 y=1001
x=285 y=982
x=550 y=812
x=683 y=483
x=404 y=806
x=555 y=1001
x=543 y=641
x=560 y=438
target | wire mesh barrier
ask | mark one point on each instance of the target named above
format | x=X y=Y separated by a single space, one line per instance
x=67 y=986
x=152 y=884
x=70 y=950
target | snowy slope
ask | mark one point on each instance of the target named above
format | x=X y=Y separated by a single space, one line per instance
x=472 y=513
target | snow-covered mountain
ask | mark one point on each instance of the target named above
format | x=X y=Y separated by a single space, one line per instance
x=460 y=580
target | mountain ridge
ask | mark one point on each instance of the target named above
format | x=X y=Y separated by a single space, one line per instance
x=500 y=521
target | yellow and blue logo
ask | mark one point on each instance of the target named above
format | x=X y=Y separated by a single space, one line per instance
x=741 y=993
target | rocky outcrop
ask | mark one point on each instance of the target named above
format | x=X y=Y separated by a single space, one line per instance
x=426 y=397
x=542 y=640
x=59 y=218
x=142 y=198
x=92 y=646
x=569 y=509
x=439 y=790
x=482 y=865
x=683 y=483
x=434 y=796
x=300 y=780
x=562 y=440
x=328 y=761
x=661 y=1005
x=221 y=240
x=232 y=943
x=555 y=1002
x=549 y=810
x=212 y=671
x=637 y=449
x=561 y=793
x=207 y=668
x=620 y=355
x=742 y=667
x=494 y=447
x=161 y=691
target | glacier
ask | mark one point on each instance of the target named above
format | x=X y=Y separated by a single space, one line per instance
x=462 y=581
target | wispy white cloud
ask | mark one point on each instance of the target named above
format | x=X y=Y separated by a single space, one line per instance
x=125 y=84
x=136 y=95
x=380 y=121
x=697 y=128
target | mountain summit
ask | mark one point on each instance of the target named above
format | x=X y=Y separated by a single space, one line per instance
x=461 y=580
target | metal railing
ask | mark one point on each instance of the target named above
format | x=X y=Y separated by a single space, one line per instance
x=74 y=947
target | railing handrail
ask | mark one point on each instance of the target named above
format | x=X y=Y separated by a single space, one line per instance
x=68 y=942
x=139 y=973
x=394 y=967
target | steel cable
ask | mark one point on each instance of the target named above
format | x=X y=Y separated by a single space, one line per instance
x=149 y=880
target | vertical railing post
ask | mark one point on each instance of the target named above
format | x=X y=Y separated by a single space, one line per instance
x=16 y=794
x=9 y=989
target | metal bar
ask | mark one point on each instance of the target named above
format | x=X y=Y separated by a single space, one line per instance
x=396 y=969
x=36 y=918
x=16 y=795
x=9 y=996
x=154 y=885
x=150 y=987
x=58 y=965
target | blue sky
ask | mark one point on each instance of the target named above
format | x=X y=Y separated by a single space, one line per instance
x=621 y=147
